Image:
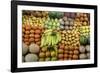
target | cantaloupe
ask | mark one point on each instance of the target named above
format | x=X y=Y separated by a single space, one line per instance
x=33 y=48
x=31 y=58
x=82 y=56
x=82 y=49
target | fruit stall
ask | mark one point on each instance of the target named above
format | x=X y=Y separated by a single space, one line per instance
x=55 y=36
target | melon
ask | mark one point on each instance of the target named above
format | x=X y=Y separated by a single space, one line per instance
x=55 y=14
x=82 y=49
x=83 y=40
x=31 y=58
x=34 y=48
x=82 y=56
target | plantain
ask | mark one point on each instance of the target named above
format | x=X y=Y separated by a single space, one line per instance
x=42 y=41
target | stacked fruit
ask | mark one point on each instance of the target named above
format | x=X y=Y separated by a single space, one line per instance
x=35 y=13
x=54 y=14
x=52 y=23
x=71 y=15
x=32 y=20
x=84 y=35
x=31 y=34
x=84 y=52
x=70 y=37
x=84 y=18
x=30 y=53
x=68 y=52
x=48 y=53
x=66 y=23
x=69 y=45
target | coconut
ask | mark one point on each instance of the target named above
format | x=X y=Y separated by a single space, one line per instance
x=33 y=48
x=31 y=58
x=24 y=48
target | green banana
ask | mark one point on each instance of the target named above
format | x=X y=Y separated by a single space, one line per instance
x=49 y=31
x=49 y=40
x=42 y=41
x=55 y=40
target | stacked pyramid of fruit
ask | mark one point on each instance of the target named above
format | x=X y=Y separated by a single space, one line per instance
x=53 y=36
x=84 y=29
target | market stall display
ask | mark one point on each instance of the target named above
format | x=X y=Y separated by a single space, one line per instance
x=54 y=36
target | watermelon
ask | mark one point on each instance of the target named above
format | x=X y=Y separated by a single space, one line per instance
x=83 y=40
x=54 y=14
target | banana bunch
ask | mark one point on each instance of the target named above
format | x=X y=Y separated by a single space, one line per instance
x=50 y=38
